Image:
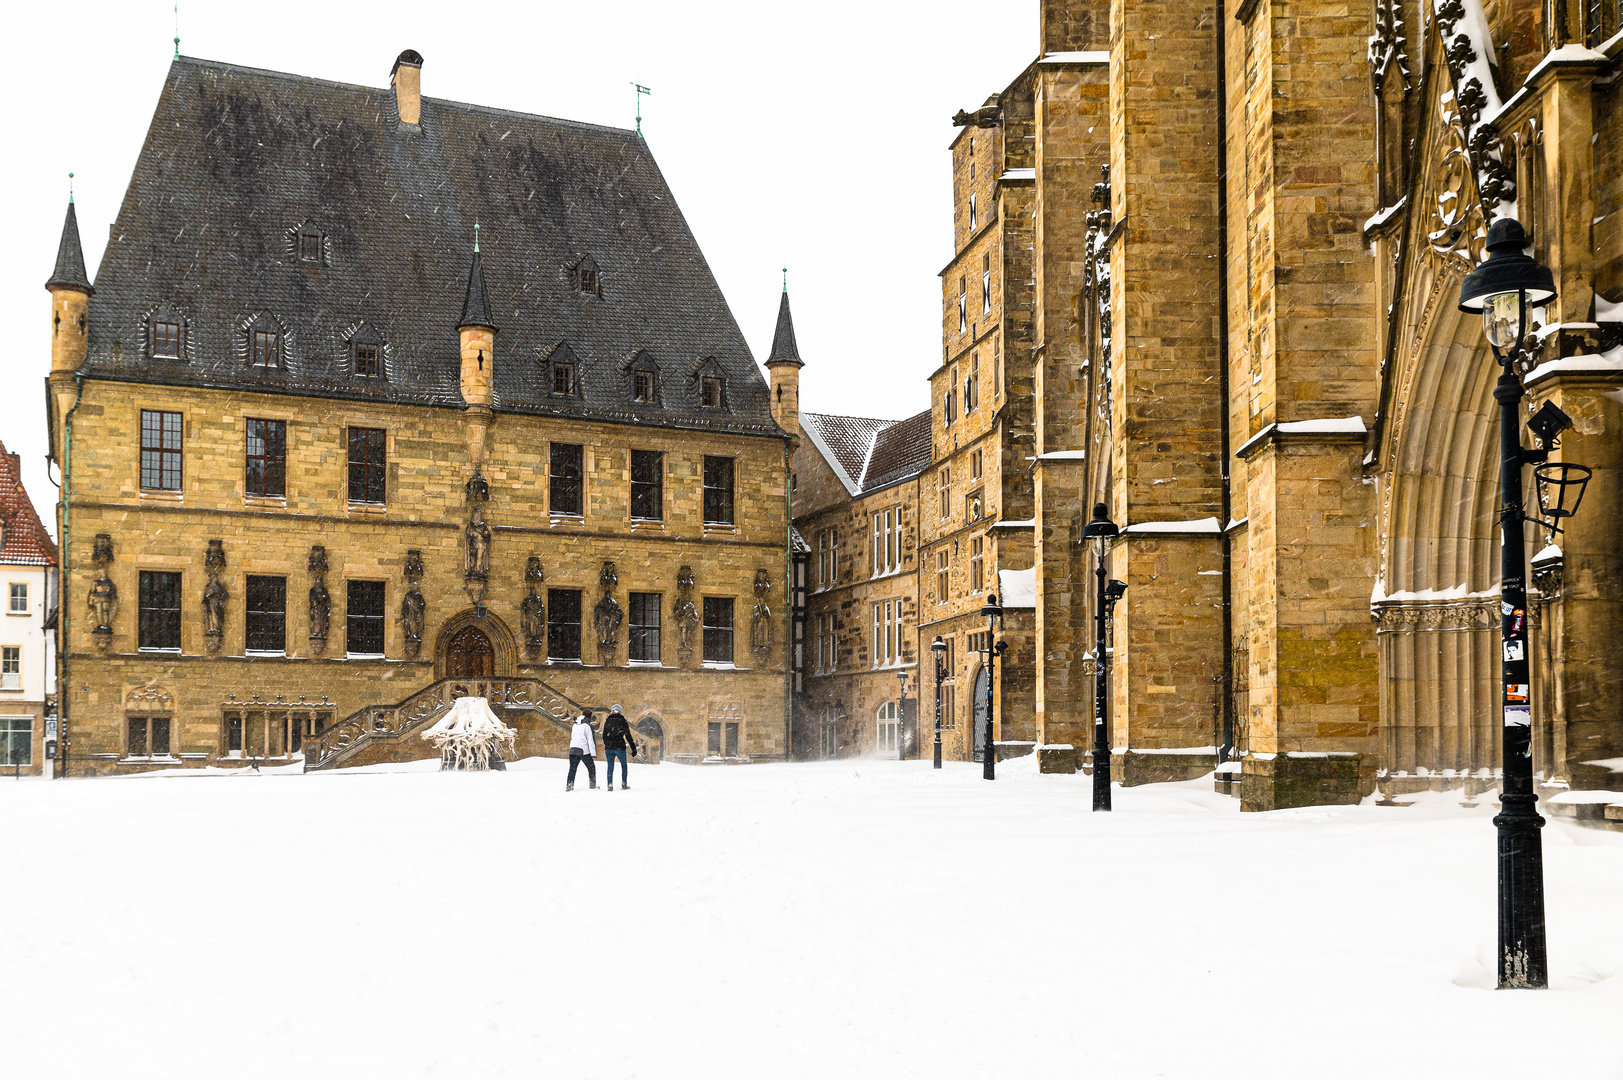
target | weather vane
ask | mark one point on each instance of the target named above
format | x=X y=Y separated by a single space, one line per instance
x=177 y=29
x=70 y=187
x=785 y=279
x=641 y=90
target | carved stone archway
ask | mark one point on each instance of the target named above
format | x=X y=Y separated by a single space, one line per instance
x=504 y=646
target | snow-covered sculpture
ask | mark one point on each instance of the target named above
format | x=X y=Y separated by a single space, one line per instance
x=470 y=735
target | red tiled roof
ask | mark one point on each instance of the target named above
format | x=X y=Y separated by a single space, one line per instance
x=24 y=541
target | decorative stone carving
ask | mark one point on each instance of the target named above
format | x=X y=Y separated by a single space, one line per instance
x=1548 y=575
x=215 y=597
x=149 y=699
x=320 y=602
x=412 y=606
x=1495 y=181
x=103 y=597
x=477 y=488
x=761 y=620
x=1477 y=613
x=607 y=616
x=533 y=611
x=476 y=556
x=686 y=614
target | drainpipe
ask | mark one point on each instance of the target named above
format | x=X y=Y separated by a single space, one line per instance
x=62 y=606
x=1226 y=542
x=788 y=605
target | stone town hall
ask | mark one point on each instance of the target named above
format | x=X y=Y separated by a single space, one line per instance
x=1206 y=265
x=378 y=399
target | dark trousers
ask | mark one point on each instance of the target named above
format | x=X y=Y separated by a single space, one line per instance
x=625 y=776
x=575 y=758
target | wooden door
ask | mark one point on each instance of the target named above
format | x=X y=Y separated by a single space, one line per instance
x=468 y=655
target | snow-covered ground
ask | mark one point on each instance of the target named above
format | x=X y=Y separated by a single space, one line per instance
x=840 y=919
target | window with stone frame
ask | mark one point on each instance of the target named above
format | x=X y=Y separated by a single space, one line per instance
x=973 y=506
x=949 y=705
x=147 y=737
x=718 y=490
x=266 y=622
x=644 y=643
x=949 y=403
x=265 y=462
x=563 y=624
x=986 y=283
x=887 y=633
x=831 y=642
x=647 y=485
x=977 y=565
x=963 y=307
x=309 y=247
x=368 y=359
x=975 y=462
x=11 y=667
x=368 y=465
x=566 y=480
x=718 y=630
x=943 y=486
x=943 y=583
x=997 y=369
x=158 y=611
x=363 y=619
x=822 y=644
x=971 y=211
x=18 y=600
x=972 y=384
x=713 y=392
x=165 y=340
x=887 y=541
x=272 y=731
x=161 y=450
x=17 y=740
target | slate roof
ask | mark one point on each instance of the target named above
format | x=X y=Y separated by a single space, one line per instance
x=873 y=453
x=25 y=541
x=784 y=349
x=239 y=160
x=70 y=256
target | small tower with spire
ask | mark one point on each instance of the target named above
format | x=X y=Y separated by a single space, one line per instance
x=70 y=298
x=478 y=334
x=783 y=368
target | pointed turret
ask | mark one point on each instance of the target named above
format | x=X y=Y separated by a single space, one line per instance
x=478 y=333
x=70 y=299
x=783 y=366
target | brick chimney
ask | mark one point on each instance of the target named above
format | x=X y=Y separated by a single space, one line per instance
x=407 y=80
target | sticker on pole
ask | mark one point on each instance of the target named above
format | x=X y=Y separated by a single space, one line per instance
x=1518 y=716
x=1515 y=650
x=1516 y=692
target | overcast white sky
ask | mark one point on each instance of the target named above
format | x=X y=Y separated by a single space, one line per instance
x=806 y=135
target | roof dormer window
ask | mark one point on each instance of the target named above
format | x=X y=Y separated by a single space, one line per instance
x=309 y=246
x=267 y=348
x=644 y=386
x=586 y=277
x=264 y=341
x=166 y=340
x=713 y=392
x=563 y=378
x=368 y=359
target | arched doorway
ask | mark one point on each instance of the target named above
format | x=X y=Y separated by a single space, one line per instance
x=469 y=655
x=979 y=704
x=653 y=740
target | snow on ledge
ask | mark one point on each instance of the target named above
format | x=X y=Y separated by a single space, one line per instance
x=1571 y=53
x=1608 y=311
x=1063 y=455
x=1017 y=588
x=1609 y=362
x=1550 y=551
x=1334 y=425
x=1027 y=523
x=1090 y=57
x=1199 y=525
x=1375 y=221
x=1018 y=174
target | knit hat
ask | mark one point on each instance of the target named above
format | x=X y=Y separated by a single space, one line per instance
x=615 y=709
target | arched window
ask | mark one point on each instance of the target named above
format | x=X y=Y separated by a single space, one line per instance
x=888 y=737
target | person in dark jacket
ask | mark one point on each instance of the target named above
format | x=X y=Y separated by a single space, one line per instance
x=616 y=735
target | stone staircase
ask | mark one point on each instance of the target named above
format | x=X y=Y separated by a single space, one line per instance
x=389 y=732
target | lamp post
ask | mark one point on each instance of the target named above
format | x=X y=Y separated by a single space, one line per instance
x=937 y=649
x=1101 y=530
x=989 y=756
x=1502 y=289
x=901 y=718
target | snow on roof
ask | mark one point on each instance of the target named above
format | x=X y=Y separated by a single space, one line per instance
x=1199 y=525
x=1063 y=455
x=1017 y=588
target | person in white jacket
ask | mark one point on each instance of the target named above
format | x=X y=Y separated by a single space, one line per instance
x=582 y=747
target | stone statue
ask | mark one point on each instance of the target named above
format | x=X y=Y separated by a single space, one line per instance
x=320 y=602
x=686 y=614
x=103 y=605
x=478 y=537
x=761 y=619
x=214 y=601
x=607 y=616
x=533 y=611
x=412 y=606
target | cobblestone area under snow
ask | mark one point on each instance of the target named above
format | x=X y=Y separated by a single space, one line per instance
x=838 y=919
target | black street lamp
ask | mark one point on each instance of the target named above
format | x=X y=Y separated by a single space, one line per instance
x=901 y=718
x=1502 y=289
x=992 y=614
x=1101 y=530
x=937 y=649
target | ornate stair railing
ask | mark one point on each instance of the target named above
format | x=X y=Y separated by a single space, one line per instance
x=379 y=723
